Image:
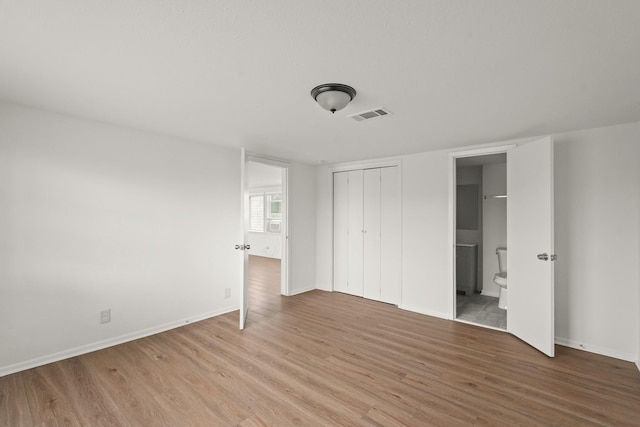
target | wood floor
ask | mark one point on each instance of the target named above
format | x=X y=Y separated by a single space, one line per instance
x=324 y=359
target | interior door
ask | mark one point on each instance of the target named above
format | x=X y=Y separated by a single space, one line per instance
x=371 y=234
x=244 y=211
x=530 y=314
x=340 y=231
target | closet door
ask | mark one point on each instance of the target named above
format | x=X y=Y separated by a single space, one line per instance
x=355 y=230
x=371 y=234
x=340 y=231
x=390 y=235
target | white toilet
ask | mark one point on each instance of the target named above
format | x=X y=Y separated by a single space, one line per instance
x=500 y=278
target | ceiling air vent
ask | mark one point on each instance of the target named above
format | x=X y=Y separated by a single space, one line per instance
x=371 y=114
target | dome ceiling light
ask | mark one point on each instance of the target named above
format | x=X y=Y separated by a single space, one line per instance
x=333 y=96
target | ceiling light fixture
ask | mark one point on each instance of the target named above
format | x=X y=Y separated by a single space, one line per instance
x=333 y=96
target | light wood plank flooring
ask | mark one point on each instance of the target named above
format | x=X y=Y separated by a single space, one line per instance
x=324 y=359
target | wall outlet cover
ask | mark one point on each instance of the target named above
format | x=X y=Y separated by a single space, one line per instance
x=105 y=316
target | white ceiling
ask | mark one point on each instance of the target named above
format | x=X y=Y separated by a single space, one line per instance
x=238 y=72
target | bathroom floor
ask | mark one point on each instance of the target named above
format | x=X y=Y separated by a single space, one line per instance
x=481 y=309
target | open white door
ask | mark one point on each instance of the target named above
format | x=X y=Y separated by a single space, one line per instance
x=284 y=260
x=530 y=244
x=244 y=211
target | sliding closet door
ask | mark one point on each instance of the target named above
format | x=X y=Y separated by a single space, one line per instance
x=390 y=232
x=355 y=245
x=371 y=234
x=340 y=231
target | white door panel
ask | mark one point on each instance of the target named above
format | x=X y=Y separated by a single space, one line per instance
x=340 y=231
x=244 y=210
x=371 y=234
x=355 y=254
x=530 y=280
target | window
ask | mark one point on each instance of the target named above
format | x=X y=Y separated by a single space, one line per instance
x=256 y=209
x=265 y=212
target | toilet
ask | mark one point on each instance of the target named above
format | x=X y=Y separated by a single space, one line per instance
x=500 y=278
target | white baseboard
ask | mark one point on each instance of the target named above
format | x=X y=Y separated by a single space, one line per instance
x=88 y=348
x=491 y=294
x=596 y=349
x=425 y=312
x=301 y=291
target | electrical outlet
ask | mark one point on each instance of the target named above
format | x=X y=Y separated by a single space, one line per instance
x=227 y=292
x=105 y=316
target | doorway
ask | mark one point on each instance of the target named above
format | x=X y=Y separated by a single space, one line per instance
x=265 y=225
x=480 y=235
x=530 y=239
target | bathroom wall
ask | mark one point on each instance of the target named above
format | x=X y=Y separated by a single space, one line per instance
x=465 y=176
x=494 y=222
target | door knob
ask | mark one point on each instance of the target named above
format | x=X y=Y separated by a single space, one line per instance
x=543 y=257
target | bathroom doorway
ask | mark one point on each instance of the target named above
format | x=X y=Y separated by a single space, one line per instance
x=530 y=240
x=480 y=234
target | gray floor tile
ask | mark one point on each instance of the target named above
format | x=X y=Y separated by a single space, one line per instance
x=481 y=309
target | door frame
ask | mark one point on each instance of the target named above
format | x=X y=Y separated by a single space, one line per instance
x=453 y=156
x=285 y=265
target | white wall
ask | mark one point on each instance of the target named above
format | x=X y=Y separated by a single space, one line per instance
x=302 y=227
x=263 y=175
x=266 y=244
x=465 y=176
x=597 y=174
x=426 y=230
x=426 y=263
x=494 y=222
x=597 y=208
x=324 y=228
x=94 y=217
